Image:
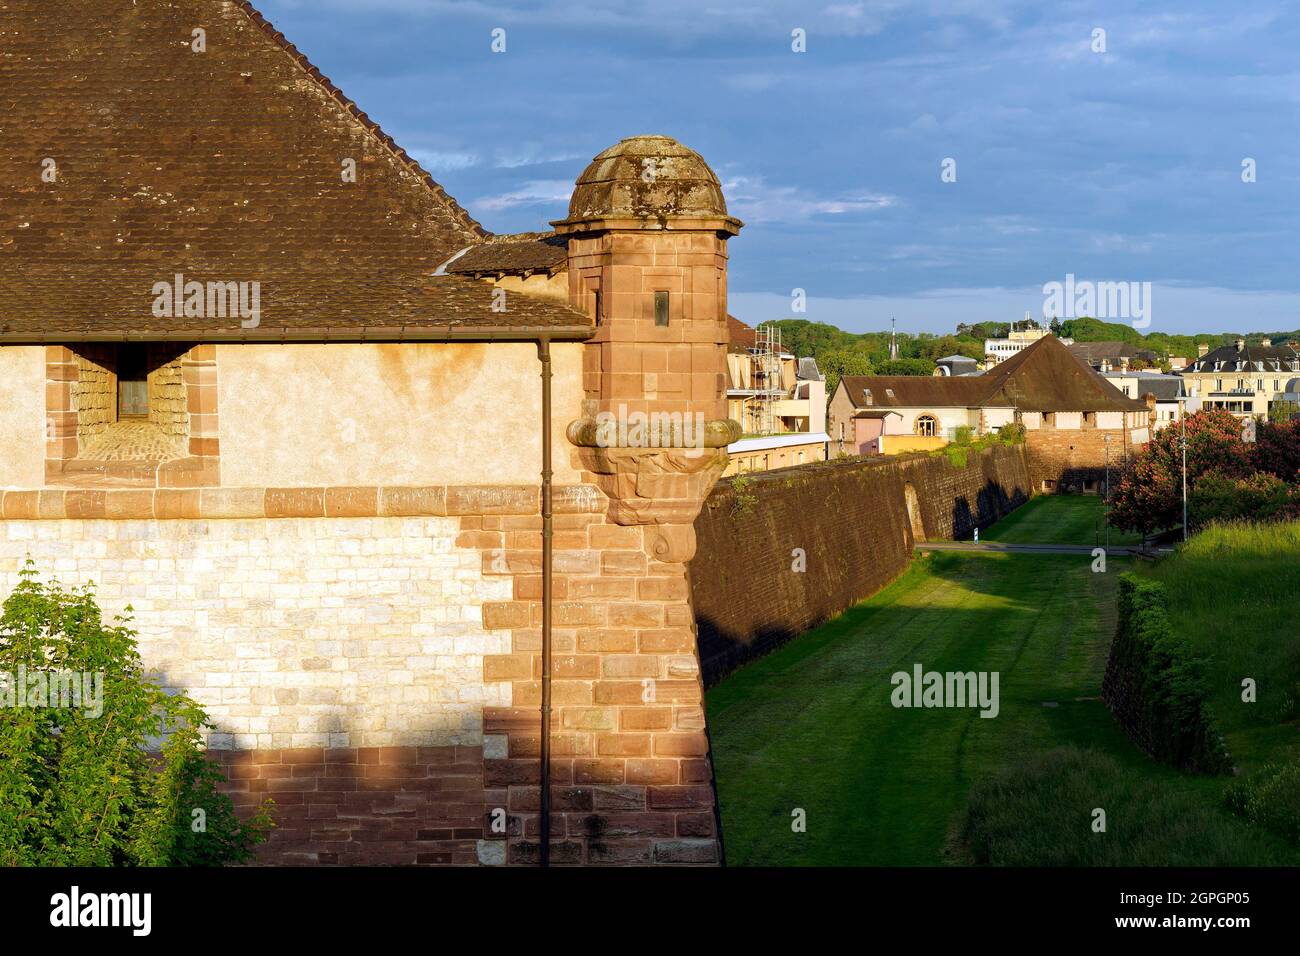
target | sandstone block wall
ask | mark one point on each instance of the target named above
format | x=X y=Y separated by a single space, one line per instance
x=168 y=402
x=1069 y=457
x=295 y=632
x=854 y=521
x=370 y=657
x=94 y=393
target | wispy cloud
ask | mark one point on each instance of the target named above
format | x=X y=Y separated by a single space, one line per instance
x=439 y=162
x=533 y=156
x=1126 y=164
x=537 y=192
x=755 y=200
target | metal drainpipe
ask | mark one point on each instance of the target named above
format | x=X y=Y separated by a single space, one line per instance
x=544 y=835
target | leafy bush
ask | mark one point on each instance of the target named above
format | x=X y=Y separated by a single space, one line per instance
x=1012 y=433
x=1148 y=495
x=962 y=435
x=1260 y=497
x=1227 y=478
x=1270 y=798
x=1277 y=448
x=1158 y=687
x=78 y=784
x=1040 y=812
x=742 y=501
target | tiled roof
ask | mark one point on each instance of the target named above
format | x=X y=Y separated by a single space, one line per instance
x=224 y=166
x=1043 y=377
x=1165 y=388
x=1250 y=358
x=1097 y=352
x=519 y=254
x=1047 y=377
x=912 y=391
x=806 y=370
x=741 y=336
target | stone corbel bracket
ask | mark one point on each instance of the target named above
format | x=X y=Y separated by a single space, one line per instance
x=660 y=486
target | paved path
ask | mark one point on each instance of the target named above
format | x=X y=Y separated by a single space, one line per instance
x=133 y=441
x=1019 y=548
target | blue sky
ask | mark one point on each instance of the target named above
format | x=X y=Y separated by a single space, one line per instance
x=1122 y=166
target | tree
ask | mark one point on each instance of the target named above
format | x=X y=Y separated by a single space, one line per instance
x=1148 y=495
x=837 y=363
x=905 y=366
x=1277 y=449
x=1261 y=497
x=1283 y=411
x=1095 y=330
x=78 y=784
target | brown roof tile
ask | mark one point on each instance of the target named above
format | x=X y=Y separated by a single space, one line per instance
x=1096 y=352
x=742 y=337
x=519 y=254
x=1044 y=377
x=911 y=391
x=222 y=166
x=1047 y=377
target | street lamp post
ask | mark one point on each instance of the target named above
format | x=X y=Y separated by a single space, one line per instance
x=1182 y=441
x=1106 y=440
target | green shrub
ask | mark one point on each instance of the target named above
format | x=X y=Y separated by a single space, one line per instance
x=1158 y=686
x=1260 y=497
x=1270 y=798
x=742 y=502
x=78 y=784
x=1012 y=433
x=1256 y=567
x=962 y=435
x=1040 y=812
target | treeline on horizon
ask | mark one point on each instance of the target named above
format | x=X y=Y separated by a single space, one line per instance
x=840 y=353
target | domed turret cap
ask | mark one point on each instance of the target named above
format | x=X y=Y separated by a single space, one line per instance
x=653 y=179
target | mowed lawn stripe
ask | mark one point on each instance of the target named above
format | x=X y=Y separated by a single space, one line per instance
x=811 y=725
x=1063 y=519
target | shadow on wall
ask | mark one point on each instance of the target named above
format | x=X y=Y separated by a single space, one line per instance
x=792 y=548
x=364 y=806
x=992 y=503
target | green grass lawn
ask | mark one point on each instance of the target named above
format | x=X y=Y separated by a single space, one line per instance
x=1236 y=592
x=1058 y=519
x=811 y=726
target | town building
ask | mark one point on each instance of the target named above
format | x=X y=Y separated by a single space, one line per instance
x=1165 y=393
x=1076 y=423
x=1115 y=356
x=951 y=365
x=1242 y=379
x=778 y=399
x=379 y=487
x=1017 y=340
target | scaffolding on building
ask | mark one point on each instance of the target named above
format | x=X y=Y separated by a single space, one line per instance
x=766 y=385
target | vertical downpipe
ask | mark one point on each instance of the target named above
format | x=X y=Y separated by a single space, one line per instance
x=544 y=834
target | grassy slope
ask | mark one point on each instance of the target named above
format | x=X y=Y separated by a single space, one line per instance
x=811 y=725
x=1236 y=591
x=1066 y=519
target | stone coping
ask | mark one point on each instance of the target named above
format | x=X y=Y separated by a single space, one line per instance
x=661 y=431
x=357 y=501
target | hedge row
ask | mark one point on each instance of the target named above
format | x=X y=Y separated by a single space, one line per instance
x=1157 y=687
